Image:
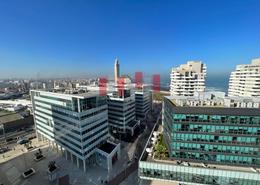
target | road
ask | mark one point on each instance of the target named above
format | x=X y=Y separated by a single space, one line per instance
x=151 y=121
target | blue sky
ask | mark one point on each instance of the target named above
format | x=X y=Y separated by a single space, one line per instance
x=50 y=38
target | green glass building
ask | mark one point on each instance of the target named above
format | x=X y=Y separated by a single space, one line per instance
x=218 y=135
x=207 y=145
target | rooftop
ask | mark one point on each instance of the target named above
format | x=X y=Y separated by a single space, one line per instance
x=107 y=147
x=79 y=95
x=6 y=116
x=151 y=158
x=214 y=99
x=229 y=111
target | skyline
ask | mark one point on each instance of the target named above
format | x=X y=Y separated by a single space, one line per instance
x=75 y=39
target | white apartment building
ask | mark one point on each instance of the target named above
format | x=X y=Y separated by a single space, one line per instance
x=245 y=80
x=188 y=79
x=121 y=112
x=77 y=124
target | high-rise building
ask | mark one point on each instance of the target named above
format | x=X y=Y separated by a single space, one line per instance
x=117 y=70
x=245 y=80
x=204 y=143
x=143 y=103
x=75 y=123
x=121 y=112
x=188 y=79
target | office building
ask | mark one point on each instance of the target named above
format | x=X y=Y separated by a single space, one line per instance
x=188 y=79
x=245 y=80
x=207 y=143
x=121 y=111
x=77 y=124
x=143 y=103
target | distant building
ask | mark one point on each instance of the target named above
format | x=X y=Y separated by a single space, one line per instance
x=117 y=70
x=245 y=80
x=207 y=143
x=121 y=112
x=126 y=79
x=75 y=123
x=13 y=125
x=188 y=79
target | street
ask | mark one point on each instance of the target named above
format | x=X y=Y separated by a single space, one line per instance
x=140 y=143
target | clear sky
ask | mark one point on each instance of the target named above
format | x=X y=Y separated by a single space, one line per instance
x=50 y=38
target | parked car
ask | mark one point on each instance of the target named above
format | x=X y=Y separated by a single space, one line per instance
x=22 y=141
x=3 y=150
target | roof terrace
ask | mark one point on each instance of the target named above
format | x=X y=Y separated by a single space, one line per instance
x=148 y=155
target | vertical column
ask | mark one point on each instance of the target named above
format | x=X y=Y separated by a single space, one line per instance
x=108 y=163
x=38 y=136
x=66 y=153
x=119 y=151
x=62 y=151
x=78 y=105
x=71 y=157
x=57 y=147
x=84 y=165
x=77 y=162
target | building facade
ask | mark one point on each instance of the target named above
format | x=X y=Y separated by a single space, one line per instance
x=220 y=135
x=210 y=144
x=143 y=100
x=188 y=79
x=245 y=80
x=121 y=112
x=76 y=123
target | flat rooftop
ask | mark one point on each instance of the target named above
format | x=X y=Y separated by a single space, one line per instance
x=70 y=95
x=6 y=116
x=213 y=110
x=107 y=147
x=146 y=157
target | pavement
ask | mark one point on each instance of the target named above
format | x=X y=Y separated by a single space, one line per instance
x=16 y=150
x=15 y=162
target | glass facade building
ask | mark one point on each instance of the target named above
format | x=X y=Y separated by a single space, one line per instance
x=220 y=145
x=143 y=99
x=76 y=123
x=213 y=134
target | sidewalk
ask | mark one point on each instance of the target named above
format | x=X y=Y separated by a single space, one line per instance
x=17 y=150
